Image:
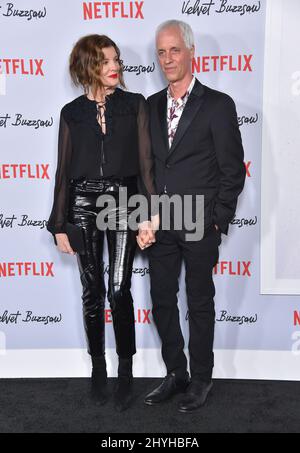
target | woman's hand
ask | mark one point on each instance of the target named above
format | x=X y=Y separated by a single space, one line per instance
x=63 y=243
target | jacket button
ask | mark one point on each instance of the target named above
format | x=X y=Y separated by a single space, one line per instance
x=168 y=166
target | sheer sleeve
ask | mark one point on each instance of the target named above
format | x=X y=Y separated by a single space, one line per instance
x=57 y=219
x=146 y=177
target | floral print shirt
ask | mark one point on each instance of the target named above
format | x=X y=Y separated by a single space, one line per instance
x=175 y=109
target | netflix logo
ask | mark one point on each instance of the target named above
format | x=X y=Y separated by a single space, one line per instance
x=22 y=66
x=113 y=10
x=142 y=316
x=247 y=166
x=240 y=268
x=24 y=171
x=222 y=63
x=296 y=318
x=26 y=269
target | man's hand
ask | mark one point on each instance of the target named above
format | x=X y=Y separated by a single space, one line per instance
x=155 y=222
x=63 y=243
x=146 y=236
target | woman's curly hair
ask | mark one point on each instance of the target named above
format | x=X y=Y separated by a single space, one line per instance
x=86 y=60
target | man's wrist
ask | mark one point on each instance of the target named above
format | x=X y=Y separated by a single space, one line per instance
x=155 y=220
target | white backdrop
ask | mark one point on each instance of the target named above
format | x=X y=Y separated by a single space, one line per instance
x=281 y=164
x=41 y=331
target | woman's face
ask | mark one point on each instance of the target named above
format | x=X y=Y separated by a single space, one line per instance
x=110 y=68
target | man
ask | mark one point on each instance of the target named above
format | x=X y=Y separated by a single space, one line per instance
x=197 y=150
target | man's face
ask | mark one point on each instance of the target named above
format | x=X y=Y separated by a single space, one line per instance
x=174 y=57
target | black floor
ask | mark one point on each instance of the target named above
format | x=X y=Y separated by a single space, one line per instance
x=63 y=406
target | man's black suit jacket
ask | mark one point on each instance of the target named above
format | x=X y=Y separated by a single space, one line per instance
x=206 y=157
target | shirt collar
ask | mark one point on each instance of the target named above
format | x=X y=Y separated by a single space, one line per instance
x=187 y=93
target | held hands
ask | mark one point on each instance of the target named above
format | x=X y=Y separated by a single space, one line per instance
x=63 y=244
x=146 y=236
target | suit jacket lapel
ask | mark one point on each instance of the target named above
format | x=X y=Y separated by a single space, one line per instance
x=193 y=105
x=162 y=118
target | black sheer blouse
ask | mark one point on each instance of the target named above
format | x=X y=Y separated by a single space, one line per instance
x=84 y=151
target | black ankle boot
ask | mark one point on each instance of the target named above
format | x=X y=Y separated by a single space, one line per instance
x=123 y=390
x=99 y=380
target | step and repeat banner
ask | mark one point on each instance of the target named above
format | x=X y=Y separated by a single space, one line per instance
x=41 y=329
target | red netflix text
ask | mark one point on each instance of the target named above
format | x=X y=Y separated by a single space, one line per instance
x=22 y=66
x=247 y=165
x=220 y=63
x=24 y=171
x=26 y=269
x=113 y=10
x=142 y=316
x=240 y=268
x=296 y=318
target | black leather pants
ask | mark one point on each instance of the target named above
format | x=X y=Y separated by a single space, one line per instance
x=121 y=249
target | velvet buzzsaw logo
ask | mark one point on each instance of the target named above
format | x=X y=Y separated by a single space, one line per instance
x=15 y=317
x=205 y=8
x=240 y=320
x=12 y=221
x=113 y=10
x=138 y=69
x=248 y=120
x=18 y=120
x=10 y=11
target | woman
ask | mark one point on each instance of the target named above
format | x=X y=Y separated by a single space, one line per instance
x=103 y=146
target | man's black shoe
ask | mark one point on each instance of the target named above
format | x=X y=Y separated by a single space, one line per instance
x=195 y=396
x=169 y=387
